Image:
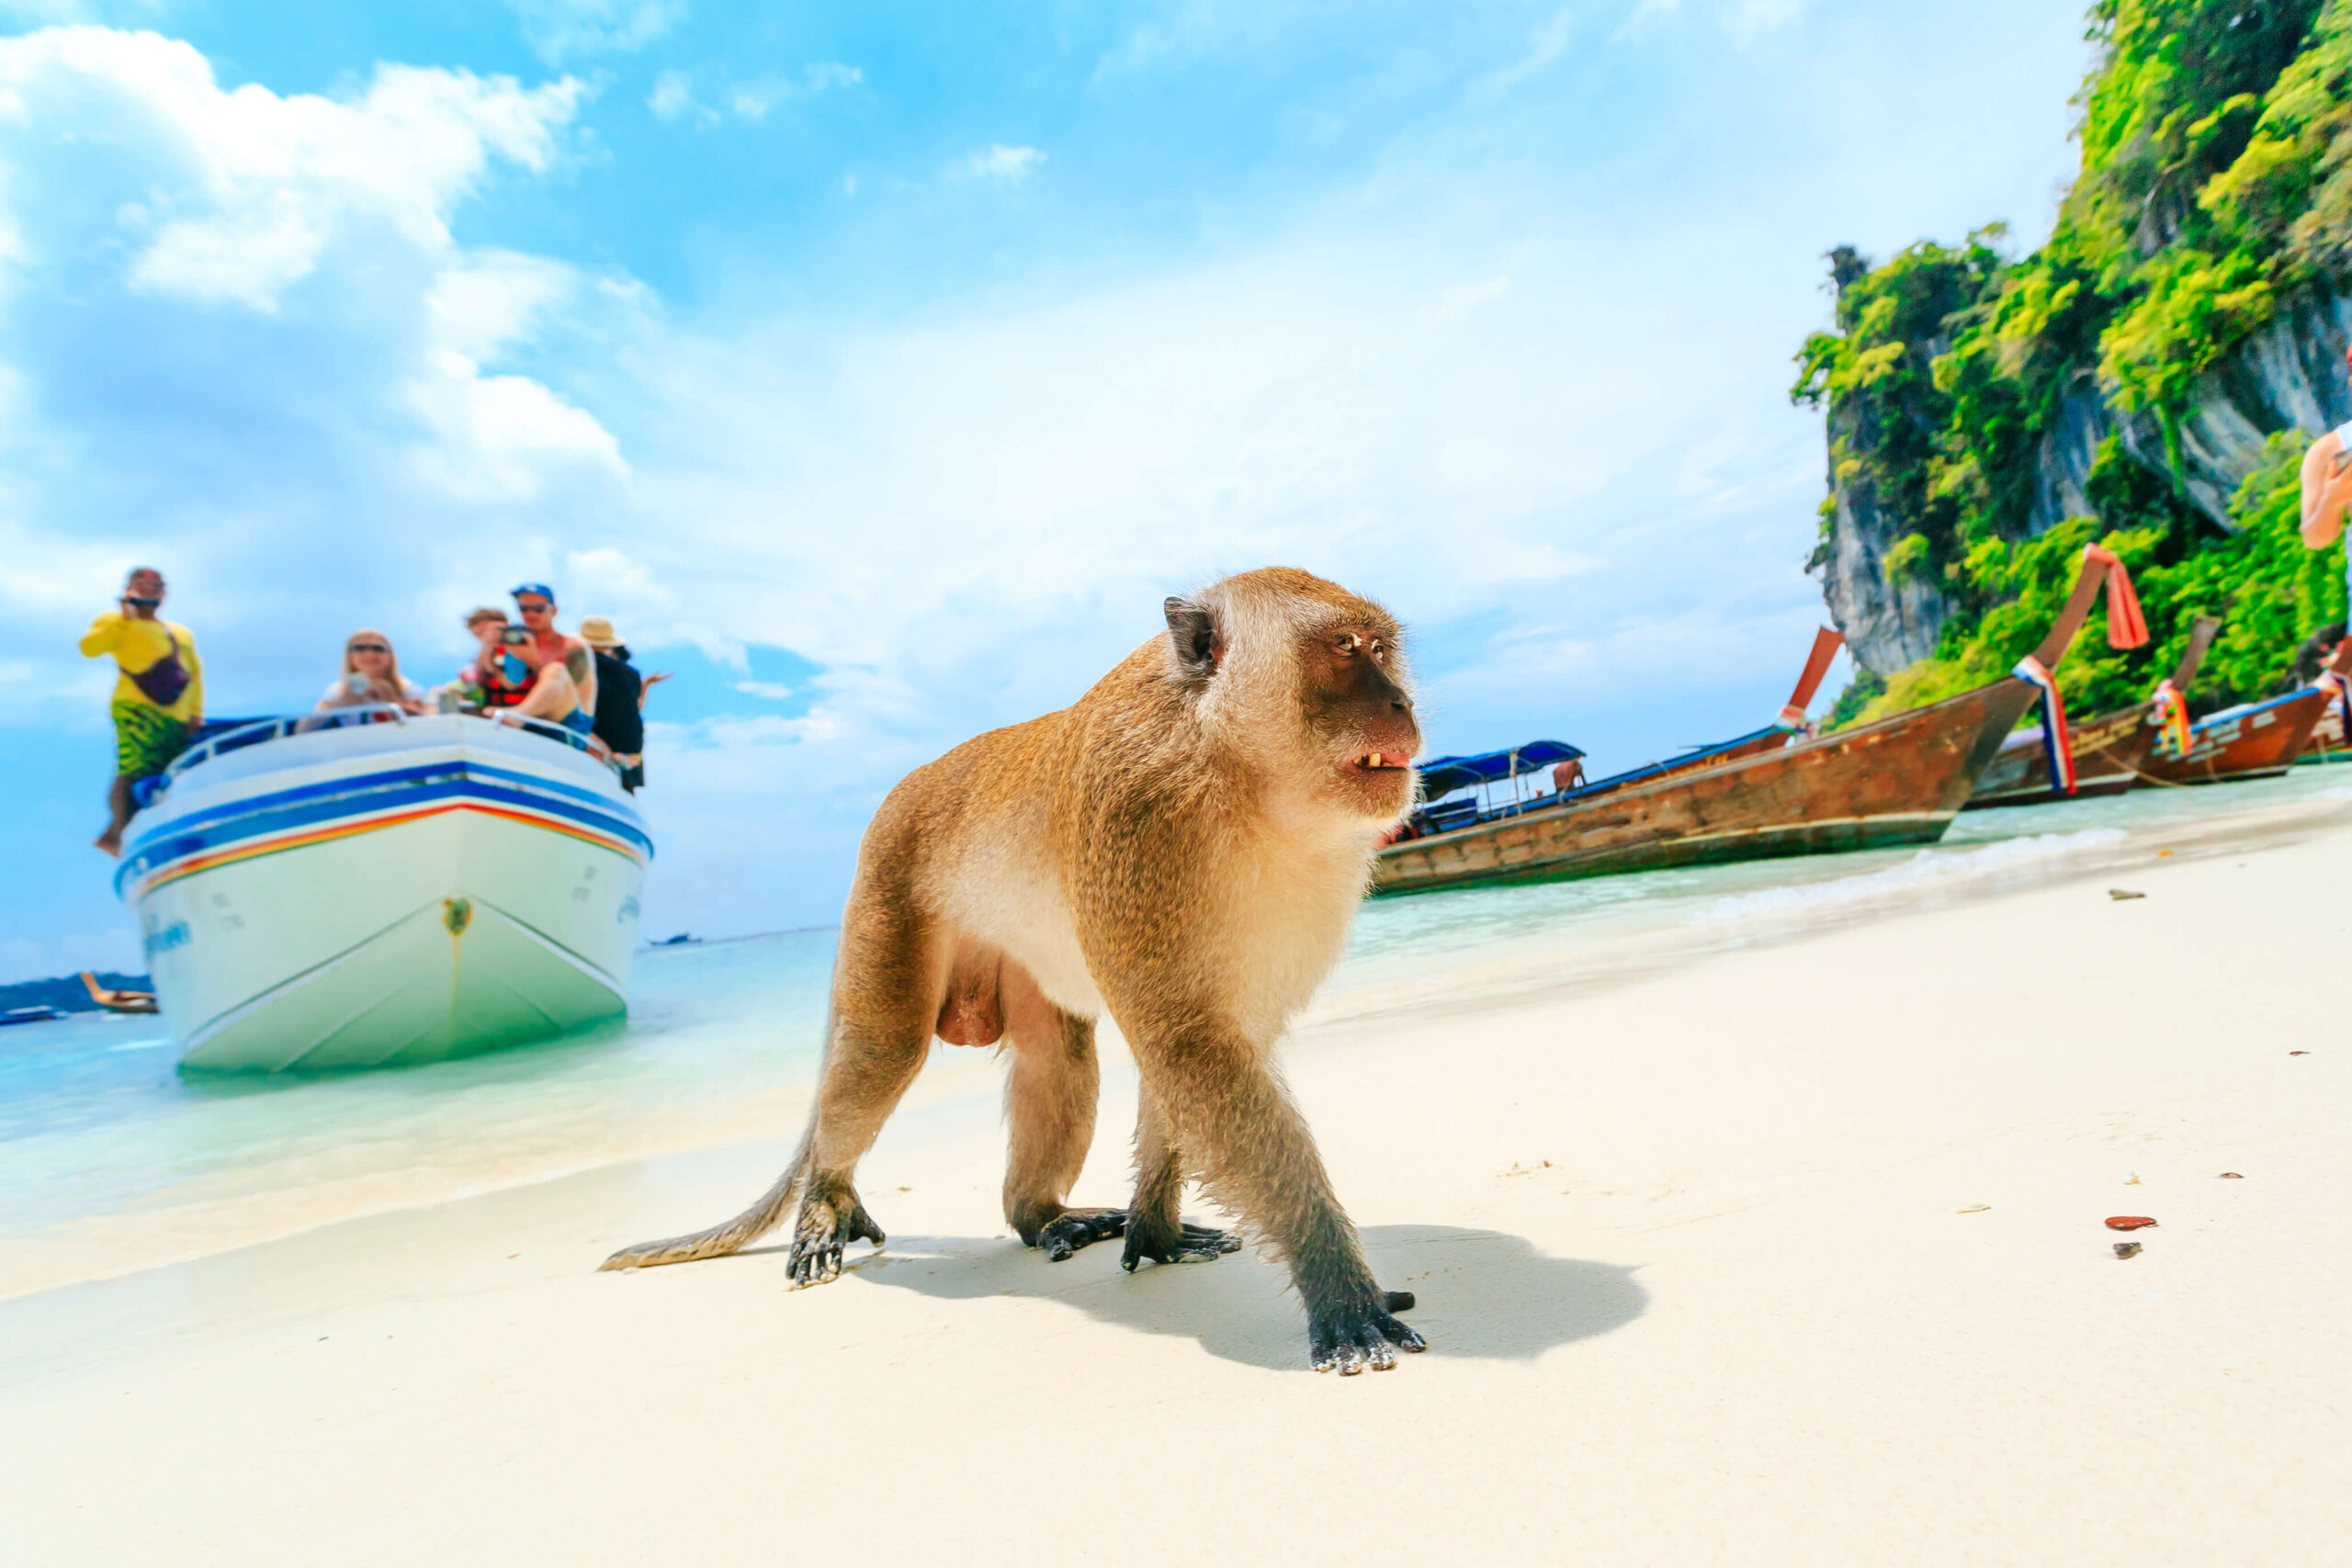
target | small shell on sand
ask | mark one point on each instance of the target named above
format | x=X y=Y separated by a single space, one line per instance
x=2232 y=1176
x=2127 y=1249
x=1973 y=1209
x=2129 y=1221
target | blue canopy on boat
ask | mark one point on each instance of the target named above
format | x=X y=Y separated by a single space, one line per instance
x=1442 y=775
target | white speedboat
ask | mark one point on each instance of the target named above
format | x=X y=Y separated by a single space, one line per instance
x=367 y=894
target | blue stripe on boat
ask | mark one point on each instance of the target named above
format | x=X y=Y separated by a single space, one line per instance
x=400 y=789
x=2250 y=710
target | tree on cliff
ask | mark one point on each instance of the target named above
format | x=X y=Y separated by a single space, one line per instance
x=2149 y=377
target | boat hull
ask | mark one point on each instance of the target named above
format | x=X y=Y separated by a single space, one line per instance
x=2329 y=741
x=2109 y=752
x=1896 y=782
x=2258 y=742
x=367 y=904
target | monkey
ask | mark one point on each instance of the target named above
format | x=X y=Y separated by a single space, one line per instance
x=1182 y=849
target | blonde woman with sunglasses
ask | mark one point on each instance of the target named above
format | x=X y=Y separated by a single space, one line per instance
x=371 y=673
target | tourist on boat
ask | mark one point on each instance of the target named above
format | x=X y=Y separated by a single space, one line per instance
x=371 y=673
x=536 y=603
x=498 y=678
x=620 y=700
x=554 y=697
x=157 y=704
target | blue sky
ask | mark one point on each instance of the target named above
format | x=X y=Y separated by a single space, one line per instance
x=880 y=368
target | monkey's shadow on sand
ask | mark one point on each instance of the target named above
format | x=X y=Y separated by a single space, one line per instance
x=1484 y=1294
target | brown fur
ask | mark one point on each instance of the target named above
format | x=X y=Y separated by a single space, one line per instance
x=1182 y=847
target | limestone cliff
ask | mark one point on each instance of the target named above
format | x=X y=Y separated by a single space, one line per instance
x=2148 y=377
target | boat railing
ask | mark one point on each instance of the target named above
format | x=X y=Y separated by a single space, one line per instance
x=263 y=730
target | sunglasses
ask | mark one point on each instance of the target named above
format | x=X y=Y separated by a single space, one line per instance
x=369 y=648
x=533 y=609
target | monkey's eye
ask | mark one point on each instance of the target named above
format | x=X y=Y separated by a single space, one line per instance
x=1349 y=643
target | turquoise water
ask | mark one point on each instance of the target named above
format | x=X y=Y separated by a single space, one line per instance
x=96 y=1122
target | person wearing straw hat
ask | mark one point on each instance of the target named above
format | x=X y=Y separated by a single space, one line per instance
x=620 y=699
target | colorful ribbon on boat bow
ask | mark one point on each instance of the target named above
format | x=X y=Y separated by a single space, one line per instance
x=2171 y=720
x=2126 y=625
x=2056 y=743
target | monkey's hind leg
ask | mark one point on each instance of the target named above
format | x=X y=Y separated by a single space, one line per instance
x=1155 y=1230
x=1049 y=1098
x=868 y=1069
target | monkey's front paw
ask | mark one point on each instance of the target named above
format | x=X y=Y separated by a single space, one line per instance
x=827 y=1224
x=1073 y=1228
x=1188 y=1244
x=1348 y=1342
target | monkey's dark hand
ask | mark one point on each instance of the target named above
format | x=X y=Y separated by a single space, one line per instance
x=1187 y=1244
x=1073 y=1228
x=1348 y=1341
x=828 y=1222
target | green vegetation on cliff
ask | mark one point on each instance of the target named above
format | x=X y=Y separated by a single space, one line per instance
x=2216 y=186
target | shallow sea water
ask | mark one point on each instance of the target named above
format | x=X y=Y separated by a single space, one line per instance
x=97 y=1121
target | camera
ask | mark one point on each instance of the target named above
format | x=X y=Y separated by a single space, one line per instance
x=515 y=637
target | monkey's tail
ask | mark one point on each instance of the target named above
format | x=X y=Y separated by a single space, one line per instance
x=719 y=1240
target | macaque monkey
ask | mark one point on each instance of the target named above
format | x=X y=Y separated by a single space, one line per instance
x=1183 y=849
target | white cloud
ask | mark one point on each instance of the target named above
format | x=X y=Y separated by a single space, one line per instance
x=998 y=162
x=673 y=98
x=484 y=300
x=281 y=272
x=501 y=437
x=566 y=29
x=263 y=184
x=751 y=101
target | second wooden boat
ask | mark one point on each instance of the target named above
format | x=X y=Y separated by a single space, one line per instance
x=2257 y=741
x=2110 y=750
x=1899 y=780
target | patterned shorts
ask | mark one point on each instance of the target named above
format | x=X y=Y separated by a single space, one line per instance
x=146 y=738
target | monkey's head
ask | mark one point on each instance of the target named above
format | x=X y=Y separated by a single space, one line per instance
x=1305 y=681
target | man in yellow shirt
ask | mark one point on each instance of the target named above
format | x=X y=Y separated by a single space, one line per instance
x=158 y=703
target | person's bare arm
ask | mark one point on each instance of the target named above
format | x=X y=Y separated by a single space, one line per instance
x=581 y=665
x=646 y=686
x=2327 y=490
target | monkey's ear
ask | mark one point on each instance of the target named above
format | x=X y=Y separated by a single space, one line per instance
x=1193 y=631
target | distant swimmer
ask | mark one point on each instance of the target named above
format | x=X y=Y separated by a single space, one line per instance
x=158 y=704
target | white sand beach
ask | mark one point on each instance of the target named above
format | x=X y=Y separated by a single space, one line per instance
x=1786 y=1252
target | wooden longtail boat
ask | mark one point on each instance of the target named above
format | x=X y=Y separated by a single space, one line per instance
x=2110 y=750
x=2259 y=740
x=2332 y=735
x=1900 y=781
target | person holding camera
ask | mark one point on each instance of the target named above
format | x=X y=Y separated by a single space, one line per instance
x=371 y=674
x=158 y=703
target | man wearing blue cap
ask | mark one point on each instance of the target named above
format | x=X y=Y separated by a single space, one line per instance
x=535 y=601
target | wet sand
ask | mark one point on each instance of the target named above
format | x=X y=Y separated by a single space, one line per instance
x=1786 y=1252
